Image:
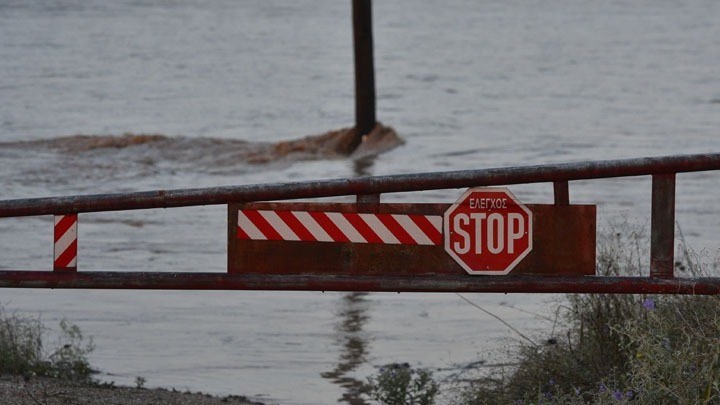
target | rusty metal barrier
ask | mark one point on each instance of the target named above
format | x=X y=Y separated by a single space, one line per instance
x=660 y=279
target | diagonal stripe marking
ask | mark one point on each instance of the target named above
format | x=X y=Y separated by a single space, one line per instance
x=346 y=227
x=413 y=230
x=296 y=225
x=339 y=227
x=396 y=229
x=63 y=223
x=249 y=227
x=379 y=228
x=312 y=226
x=431 y=225
x=365 y=230
x=329 y=226
x=262 y=224
x=68 y=258
x=62 y=243
x=279 y=225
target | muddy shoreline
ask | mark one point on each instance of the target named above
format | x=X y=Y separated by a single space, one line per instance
x=17 y=390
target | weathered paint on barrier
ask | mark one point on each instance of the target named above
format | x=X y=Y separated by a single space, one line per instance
x=564 y=243
x=299 y=282
x=545 y=276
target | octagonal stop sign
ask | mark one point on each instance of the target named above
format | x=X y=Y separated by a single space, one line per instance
x=488 y=231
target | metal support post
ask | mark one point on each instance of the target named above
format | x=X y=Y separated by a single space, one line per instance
x=368 y=202
x=662 y=226
x=562 y=193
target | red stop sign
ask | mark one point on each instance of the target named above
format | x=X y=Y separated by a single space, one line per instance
x=488 y=231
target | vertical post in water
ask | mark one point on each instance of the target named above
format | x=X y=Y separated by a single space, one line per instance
x=364 y=70
x=662 y=226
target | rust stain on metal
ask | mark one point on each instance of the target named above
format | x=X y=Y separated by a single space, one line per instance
x=302 y=282
x=562 y=260
x=563 y=243
x=662 y=226
x=561 y=190
x=368 y=203
x=361 y=185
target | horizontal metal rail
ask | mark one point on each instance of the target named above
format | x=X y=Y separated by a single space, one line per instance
x=661 y=278
x=360 y=186
x=333 y=282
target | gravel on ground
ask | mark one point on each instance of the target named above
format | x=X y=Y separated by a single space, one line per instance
x=16 y=390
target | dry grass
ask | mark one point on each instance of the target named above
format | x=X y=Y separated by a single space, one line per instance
x=23 y=349
x=617 y=348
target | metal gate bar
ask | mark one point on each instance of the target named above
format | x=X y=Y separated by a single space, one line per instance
x=661 y=279
x=444 y=283
x=360 y=186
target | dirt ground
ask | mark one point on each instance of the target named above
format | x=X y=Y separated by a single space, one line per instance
x=16 y=390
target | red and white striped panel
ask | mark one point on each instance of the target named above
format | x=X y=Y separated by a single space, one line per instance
x=317 y=226
x=66 y=227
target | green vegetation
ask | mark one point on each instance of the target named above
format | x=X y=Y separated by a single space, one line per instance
x=399 y=384
x=23 y=352
x=611 y=349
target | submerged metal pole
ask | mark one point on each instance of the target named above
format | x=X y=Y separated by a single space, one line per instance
x=364 y=70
